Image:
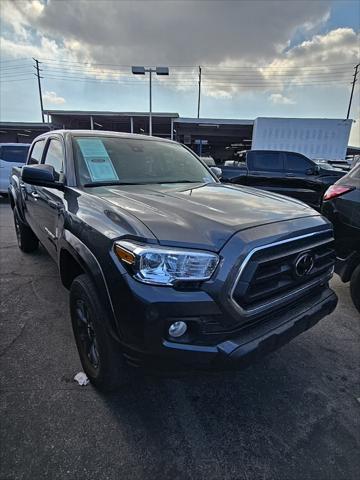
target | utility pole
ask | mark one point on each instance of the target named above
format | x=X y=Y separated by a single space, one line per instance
x=352 y=89
x=36 y=66
x=199 y=94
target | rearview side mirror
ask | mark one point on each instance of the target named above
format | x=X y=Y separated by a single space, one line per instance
x=216 y=171
x=40 y=175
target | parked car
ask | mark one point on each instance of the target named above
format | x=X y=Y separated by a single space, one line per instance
x=355 y=161
x=343 y=165
x=11 y=154
x=342 y=206
x=210 y=162
x=166 y=266
x=287 y=173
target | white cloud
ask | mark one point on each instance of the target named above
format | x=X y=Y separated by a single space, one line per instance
x=53 y=98
x=280 y=99
x=246 y=43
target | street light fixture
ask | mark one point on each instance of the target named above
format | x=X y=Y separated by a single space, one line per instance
x=150 y=70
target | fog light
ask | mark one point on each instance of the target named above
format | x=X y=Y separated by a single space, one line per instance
x=177 y=329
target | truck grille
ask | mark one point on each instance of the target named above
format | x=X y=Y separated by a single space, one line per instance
x=273 y=273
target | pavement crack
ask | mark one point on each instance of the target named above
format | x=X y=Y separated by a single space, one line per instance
x=14 y=340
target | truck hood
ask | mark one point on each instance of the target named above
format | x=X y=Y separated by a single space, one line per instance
x=203 y=216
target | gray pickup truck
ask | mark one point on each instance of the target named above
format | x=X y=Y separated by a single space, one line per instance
x=167 y=267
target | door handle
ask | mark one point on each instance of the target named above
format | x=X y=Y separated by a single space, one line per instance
x=35 y=195
x=290 y=175
x=55 y=205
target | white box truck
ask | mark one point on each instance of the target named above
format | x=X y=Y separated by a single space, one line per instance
x=316 y=138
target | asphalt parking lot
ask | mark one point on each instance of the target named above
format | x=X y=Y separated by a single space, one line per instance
x=293 y=415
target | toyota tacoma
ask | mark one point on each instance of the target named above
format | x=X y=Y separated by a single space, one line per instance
x=167 y=267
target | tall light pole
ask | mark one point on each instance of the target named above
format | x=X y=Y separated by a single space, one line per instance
x=150 y=70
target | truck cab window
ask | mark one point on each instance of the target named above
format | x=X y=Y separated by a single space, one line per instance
x=36 y=152
x=268 y=161
x=297 y=163
x=54 y=156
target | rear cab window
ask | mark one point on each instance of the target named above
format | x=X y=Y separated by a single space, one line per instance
x=14 y=154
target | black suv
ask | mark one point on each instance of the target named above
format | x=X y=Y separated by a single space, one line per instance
x=166 y=265
x=341 y=204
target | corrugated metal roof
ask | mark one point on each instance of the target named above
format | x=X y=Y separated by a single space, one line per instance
x=109 y=114
x=24 y=125
x=214 y=121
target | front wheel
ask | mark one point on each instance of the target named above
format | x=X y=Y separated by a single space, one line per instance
x=99 y=352
x=355 y=287
x=26 y=239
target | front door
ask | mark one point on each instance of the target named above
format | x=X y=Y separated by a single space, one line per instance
x=302 y=179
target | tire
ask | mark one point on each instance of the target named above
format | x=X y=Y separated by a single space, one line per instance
x=355 y=287
x=27 y=240
x=99 y=352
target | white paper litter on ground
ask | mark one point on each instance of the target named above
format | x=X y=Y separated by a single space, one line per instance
x=81 y=378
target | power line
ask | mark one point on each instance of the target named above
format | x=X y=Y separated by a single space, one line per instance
x=16 y=80
x=239 y=67
x=23 y=65
x=320 y=75
x=187 y=80
x=14 y=60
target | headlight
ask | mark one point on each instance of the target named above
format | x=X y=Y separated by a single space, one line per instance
x=165 y=266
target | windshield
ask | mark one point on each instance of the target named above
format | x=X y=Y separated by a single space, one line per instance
x=16 y=154
x=115 y=160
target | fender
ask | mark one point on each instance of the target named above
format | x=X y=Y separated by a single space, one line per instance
x=90 y=265
x=12 y=196
x=15 y=194
x=344 y=267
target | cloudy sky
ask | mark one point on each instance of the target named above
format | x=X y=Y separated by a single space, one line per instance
x=258 y=58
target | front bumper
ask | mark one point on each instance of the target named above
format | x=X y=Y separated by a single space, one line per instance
x=244 y=346
x=218 y=333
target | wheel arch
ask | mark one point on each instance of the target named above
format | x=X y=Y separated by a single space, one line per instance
x=74 y=259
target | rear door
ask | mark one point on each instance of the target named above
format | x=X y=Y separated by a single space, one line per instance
x=10 y=156
x=30 y=193
x=50 y=201
x=302 y=179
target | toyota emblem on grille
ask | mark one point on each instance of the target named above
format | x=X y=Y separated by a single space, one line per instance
x=304 y=264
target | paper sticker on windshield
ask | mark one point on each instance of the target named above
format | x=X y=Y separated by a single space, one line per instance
x=97 y=160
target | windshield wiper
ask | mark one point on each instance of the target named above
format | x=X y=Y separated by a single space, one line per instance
x=109 y=184
x=179 y=181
